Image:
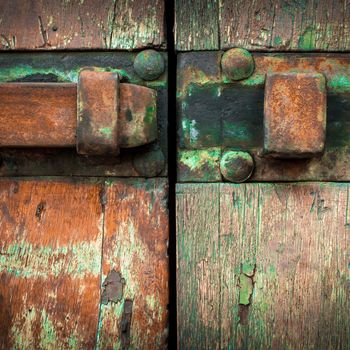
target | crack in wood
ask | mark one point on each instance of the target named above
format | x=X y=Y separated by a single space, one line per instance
x=125 y=325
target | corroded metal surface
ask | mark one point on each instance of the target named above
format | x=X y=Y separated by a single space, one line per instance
x=215 y=114
x=237 y=64
x=98 y=113
x=149 y=64
x=64 y=68
x=138 y=115
x=45 y=115
x=236 y=166
x=37 y=114
x=294 y=115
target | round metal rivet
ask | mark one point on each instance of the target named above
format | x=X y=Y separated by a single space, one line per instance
x=149 y=64
x=236 y=166
x=237 y=64
x=149 y=164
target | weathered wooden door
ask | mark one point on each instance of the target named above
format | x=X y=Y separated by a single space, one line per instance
x=265 y=263
x=83 y=189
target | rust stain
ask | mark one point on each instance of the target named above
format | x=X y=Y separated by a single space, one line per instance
x=98 y=110
x=113 y=287
x=294 y=115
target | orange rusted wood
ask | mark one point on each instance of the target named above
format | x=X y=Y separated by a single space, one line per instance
x=45 y=115
x=135 y=246
x=83 y=264
x=294 y=115
x=98 y=111
x=50 y=260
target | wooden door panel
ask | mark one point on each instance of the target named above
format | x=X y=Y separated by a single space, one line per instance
x=263 y=265
x=84 y=24
x=59 y=241
x=135 y=245
x=262 y=25
x=50 y=262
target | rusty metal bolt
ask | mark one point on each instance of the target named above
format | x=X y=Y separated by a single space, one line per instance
x=149 y=164
x=237 y=64
x=236 y=166
x=149 y=64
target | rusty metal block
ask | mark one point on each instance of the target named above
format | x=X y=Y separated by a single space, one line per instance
x=294 y=115
x=98 y=109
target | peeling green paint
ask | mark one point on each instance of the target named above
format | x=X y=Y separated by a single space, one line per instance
x=150 y=116
x=245 y=289
x=42 y=261
x=48 y=337
x=106 y=131
x=306 y=40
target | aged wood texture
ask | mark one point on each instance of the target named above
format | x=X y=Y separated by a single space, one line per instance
x=196 y=25
x=81 y=24
x=198 y=267
x=50 y=262
x=135 y=245
x=83 y=264
x=281 y=254
x=264 y=25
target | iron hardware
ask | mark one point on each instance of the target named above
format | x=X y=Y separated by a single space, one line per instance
x=98 y=115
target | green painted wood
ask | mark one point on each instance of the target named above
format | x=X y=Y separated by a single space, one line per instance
x=276 y=265
x=197 y=25
x=304 y=25
x=198 y=266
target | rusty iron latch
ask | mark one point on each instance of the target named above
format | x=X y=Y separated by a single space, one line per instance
x=294 y=115
x=263 y=116
x=98 y=116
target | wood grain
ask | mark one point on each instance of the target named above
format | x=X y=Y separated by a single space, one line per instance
x=59 y=240
x=282 y=264
x=198 y=266
x=81 y=24
x=265 y=25
x=196 y=25
x=50 y=261
x=135 y=245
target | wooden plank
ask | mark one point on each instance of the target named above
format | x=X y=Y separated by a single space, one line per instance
x=198 y=266
x=196 y=25
x=284 y=278
x=135 y=248
x=280 y=25
x=84 y=24
x=50 y=263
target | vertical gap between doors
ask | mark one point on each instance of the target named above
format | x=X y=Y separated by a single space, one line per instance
x=169 y=22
